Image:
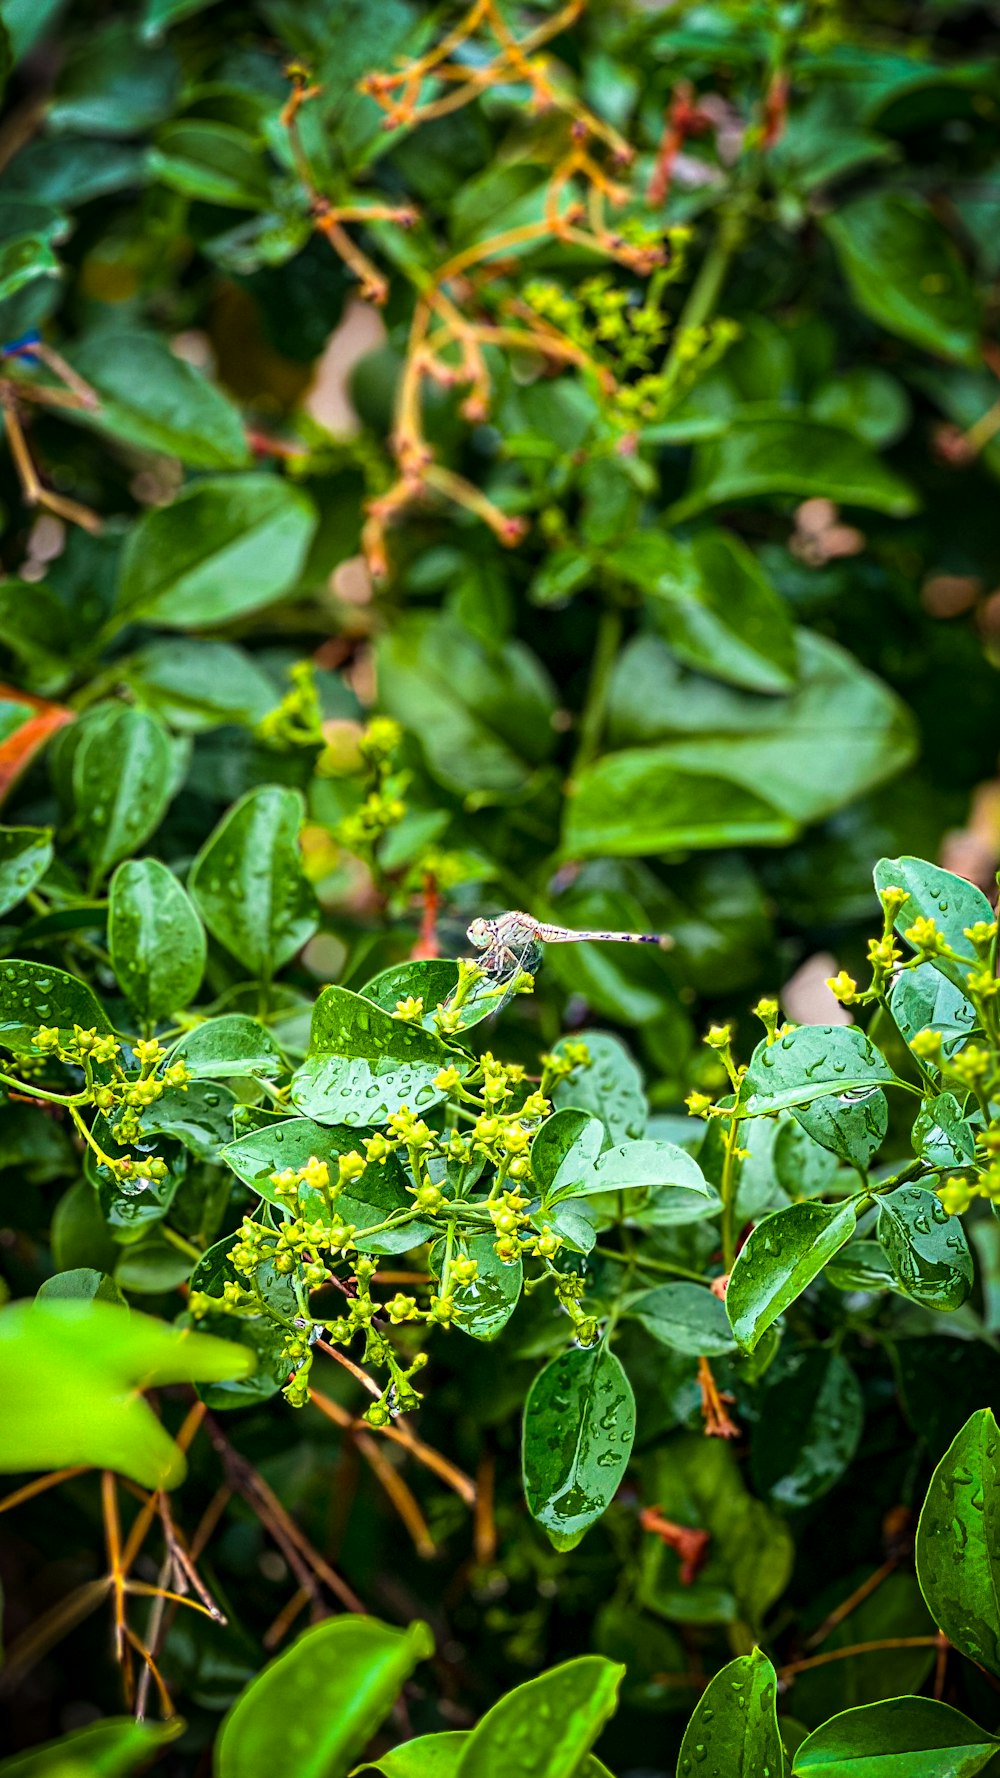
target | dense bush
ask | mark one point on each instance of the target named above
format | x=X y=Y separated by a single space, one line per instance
x=541 y=457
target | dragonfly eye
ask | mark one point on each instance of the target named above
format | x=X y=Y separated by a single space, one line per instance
x=479 y=934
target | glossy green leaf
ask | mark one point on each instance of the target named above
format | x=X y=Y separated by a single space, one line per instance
x=924 y=999
x=122 y=781
x=32 y=995
x=579 y=1424
x=809 y=1426
x=291 y=1142
x=199 y=1115
x=801 y=457
x=713 y=606
x=938 y=895
x=363 y=1064
x=942 y=1135
x=70 y=1373
x=861 y=1265
x=854 y=1131
x=486 y=1305
x=110 y=1749
x=155 y=937
x=224 y=546
x=151 y=398
x=899 y=1738
x=482 y=712
x=904 y=271
x=808 y=1063
x=248 y=884
x=564 y=1151
x=643 y=800
x=958 y=1542
x=925 y=1247
x=229 y=1047
x=685 y=1317
x=34 y=626
x=312 y=1711
x=609 y=1086
x=547 y=1725
x=25 y=856
x=112 y=86
x=780 y=1257
x=426 y=1756
x=735 y=1724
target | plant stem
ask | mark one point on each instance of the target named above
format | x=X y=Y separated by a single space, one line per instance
x=704 y=292
x=728 y=1192
x=650 y=1265
x=609 y=635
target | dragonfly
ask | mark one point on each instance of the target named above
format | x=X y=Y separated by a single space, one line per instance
x=511 y=946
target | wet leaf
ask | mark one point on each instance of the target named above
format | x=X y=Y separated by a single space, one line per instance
x=735 y=1724
x=579 y=1424
x=25 y=856
x=313 y=1710
x=958 y=1542
x=926 y=1248
x=151 y=398
x=363 y=1064
x=248 y=884
x=122 y=780
x=854 y=1130
x=156 y=939
x=486 y=1305
x=938 y=895
x=809 y=1063
x=261 y=1336
x=942 y=1135
x=779 y=1259
x=610 y=1086
x=905 y=272
x=762 y=456
x=229 y=1047
x=110 y=1749
x=32 y=995
x=546 y=1726
x=291 y=1142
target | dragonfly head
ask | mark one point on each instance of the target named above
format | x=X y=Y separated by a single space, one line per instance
x=480 y=934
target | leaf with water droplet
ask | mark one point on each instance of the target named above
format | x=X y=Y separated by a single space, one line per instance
x=685 y=1317
x=570 y=1483
x=811 y=1413
x=736 y=1725
x=779 y=1259
x=925 y=1247
x=610 y=1086
x=935 y=894
x=545 y=1727
x=156 y=939
x=248 y=883
x=122 y=773
x=810 y=1063
x=31 y=994
x=959 y=1569
x=25 y=856
x=227 y=1048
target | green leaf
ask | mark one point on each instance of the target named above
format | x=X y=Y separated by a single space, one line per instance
x=925 y=1247
x=25 y=856
x=780 y=1257
x=151 y=398
x=808 y=1063
x=579 y=1424
x=958 y=1542
x=942 y=1135
x=837 y=735
x=35 y=627
x=482 y=711
x=122 y=781
x=159 y=15
x=867 y=402
x=426 y=1756
x=214 y=162
x=309 y=1713
x=291 y=1142
x=854 y=1131
x=935 y=894
x=564 y=1150
x=70 y=1373
x=685 y=1317
x=112 y=86
x=713 y=606
x=22 y=261
x=643 y=801
x=809 y=1426
x=363 y=1064
x=486 y=1305
x=196 y=685
x=199 y=1115
x=109 y=1749
x=905 y=273
x=735 y=1724
x=248 y=884
x=432 y=981
x=81 y=1284
x=225 y=546
x=32 y=994
x=757 y=457
x=609 y=1087
x=925 y=999
x=229 y=1047
x=546 y=1726
x=898 y=1738
x=156 y=939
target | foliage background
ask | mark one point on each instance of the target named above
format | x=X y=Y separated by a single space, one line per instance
x=591 y=731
